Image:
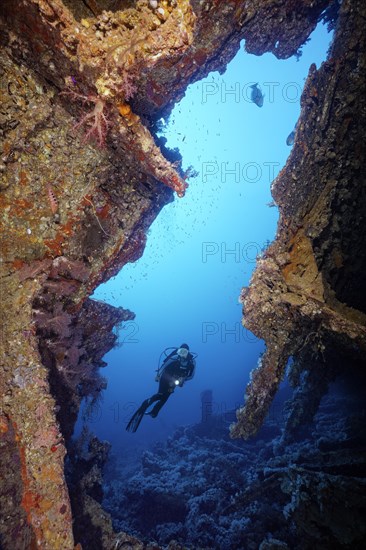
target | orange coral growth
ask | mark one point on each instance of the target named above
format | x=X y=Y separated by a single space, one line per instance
x=44 y=505
x=177 y=184
x=18 y=207
x=23 y=178
x=301 y=272
x=6 y=148
x=30 y=501
x=36 y=505
x=49 y=473
x=55 y=245
x=124 y=109
x=17 y=264
x=4 y=425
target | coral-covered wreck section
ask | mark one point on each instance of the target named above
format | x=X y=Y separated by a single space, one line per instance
x=83 y=84
x=205 y=490
x=306 y=297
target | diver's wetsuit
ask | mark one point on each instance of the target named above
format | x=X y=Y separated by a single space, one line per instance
x=174 y=374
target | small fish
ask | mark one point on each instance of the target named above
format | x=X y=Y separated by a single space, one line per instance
x=256 y=95
x=52 y=199
x=291 y=138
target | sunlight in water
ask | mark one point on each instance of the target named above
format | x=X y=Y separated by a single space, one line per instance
x=201 y=249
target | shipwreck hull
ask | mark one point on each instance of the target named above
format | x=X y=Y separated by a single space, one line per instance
x=83 y=177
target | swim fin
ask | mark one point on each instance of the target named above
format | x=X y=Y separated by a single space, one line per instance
x=134 y=423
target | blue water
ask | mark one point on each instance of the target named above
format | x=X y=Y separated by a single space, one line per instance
x=202 y=249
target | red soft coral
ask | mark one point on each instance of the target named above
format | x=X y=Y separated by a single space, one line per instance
x=96 y=121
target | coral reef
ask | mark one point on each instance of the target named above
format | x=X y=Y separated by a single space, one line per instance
x=72 y=345
x=206 y=491
x=305 y=298
x=93 y=526
x=75 y=210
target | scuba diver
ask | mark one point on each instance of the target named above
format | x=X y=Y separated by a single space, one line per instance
x=177 y=367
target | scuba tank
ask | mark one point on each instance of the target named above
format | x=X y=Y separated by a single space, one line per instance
x=161 y=365
x=167 y=356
